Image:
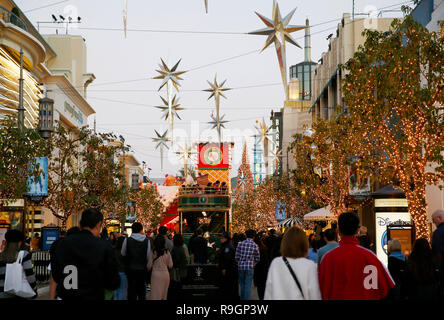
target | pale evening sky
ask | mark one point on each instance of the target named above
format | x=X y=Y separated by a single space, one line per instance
x=112 y=58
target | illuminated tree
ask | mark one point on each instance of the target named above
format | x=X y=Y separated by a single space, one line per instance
x=103 y=173
x=66 y=187
x=268 y=193
x=243 y=208
x=149 y=207
x=323 y=160
x=394 y=95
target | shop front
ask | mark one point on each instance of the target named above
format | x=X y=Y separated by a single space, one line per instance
x=391 y=208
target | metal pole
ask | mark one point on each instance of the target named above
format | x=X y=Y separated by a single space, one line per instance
x=21 y=109
x=123 y=220
x=353 y=10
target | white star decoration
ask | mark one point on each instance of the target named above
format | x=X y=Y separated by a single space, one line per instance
x=278 y=31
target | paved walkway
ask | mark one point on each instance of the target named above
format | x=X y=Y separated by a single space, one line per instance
x=43 y=293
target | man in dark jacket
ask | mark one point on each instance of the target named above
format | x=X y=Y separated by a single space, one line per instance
x=137 y=250
x=228 y=269
x=83 y=265
x=199 y=248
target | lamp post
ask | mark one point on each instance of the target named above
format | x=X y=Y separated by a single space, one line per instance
x=45 y=126
x=123 y=219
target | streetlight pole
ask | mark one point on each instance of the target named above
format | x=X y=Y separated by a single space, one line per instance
x=123 y=219
x=21 y=109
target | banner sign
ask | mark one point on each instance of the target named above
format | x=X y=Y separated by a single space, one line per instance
x=384 y=219
x=213 y=156
x=39 y=187
x=131 y=211
x=49 y=235
x=281 y=212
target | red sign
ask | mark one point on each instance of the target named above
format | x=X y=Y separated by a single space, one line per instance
x=213 y=156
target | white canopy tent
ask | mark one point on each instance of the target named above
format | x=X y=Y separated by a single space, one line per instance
x=322 y=214
x=290 y=222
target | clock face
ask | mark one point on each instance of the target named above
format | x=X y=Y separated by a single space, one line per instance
x=213 y=156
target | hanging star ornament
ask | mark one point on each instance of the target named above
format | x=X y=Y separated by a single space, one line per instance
x=278 y=31
x=125 y=14
x=217 y=90
x=171 y=78
x=265 y=138
x=264 y=132
x=185 y=153
x=174 y=108
x=161 y=141
x=218 y=124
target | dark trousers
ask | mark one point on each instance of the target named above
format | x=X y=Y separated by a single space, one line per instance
x=137 y=284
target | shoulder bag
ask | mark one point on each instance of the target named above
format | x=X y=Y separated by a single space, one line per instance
x=294 y=276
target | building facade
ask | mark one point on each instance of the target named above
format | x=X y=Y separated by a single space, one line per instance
x=327 y=98
x=295 y=113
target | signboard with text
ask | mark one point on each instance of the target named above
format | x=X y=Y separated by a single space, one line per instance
x=49 y=235
x=383 y=220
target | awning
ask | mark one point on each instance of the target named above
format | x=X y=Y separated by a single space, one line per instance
x=169 y=220
x=323 y=90
x=320 y=214
x=290 y=222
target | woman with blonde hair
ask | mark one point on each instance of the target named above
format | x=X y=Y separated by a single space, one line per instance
x=293 y=276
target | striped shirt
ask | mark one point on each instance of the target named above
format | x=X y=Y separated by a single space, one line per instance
x=29 y=272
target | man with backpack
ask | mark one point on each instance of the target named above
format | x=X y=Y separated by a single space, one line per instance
x=136 y=250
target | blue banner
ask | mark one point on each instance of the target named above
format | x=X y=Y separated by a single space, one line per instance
x=281 y=212
x=39 y=187
x=131 y=211
x=48 y=237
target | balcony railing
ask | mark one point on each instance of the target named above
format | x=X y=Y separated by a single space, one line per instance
x=10 y=17
x=203 y=190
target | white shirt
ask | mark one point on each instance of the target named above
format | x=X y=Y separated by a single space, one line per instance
x=281 y=285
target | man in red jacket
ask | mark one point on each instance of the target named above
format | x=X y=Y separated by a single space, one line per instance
x=351 y=272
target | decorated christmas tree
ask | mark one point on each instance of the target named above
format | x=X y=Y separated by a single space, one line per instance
x=244 y=215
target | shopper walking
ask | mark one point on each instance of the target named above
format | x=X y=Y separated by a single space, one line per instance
x=396 y=267
x=179 y=256
x=168 y=242
x=122 y=292
x=247 y=256
x=422 y=275
x=293 y=276
x=137 y=250
x=90 y=262
x=160 y=262
x=331 y=240
x=261 y=268
x=14 y=240
x=229 y=285
x=199 y=248
x=438 y=245
x=351 y=272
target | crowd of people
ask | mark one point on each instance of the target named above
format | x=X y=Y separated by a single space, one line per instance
x=87 y=263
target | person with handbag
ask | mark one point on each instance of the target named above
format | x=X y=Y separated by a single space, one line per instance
x=293 y=276
x=14 y=263
x=179 y=270
x=160 y=262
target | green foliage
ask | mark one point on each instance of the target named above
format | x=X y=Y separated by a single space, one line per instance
x=17 y=161
x=149 y=207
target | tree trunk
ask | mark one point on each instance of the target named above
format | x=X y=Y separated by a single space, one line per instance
x=63 y=226
x=418 y=211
